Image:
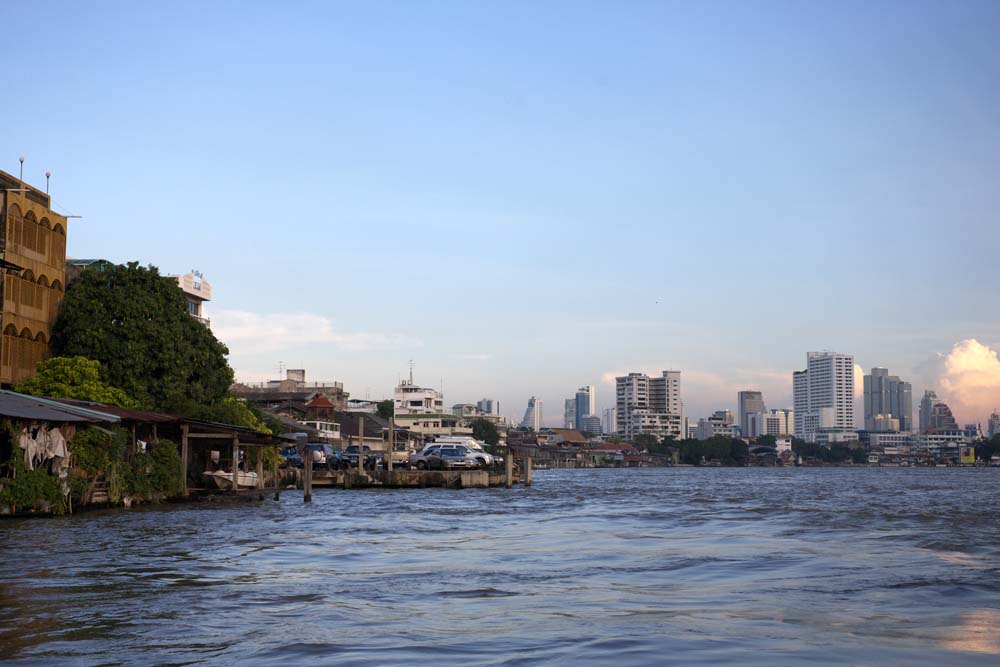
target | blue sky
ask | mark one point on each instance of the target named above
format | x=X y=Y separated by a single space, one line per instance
x=529 y=197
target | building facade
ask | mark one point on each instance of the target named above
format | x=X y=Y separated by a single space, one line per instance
x=993 y=426
x=749 y=402
x=649 y=405
x=887 y=396
x=779 y=422
x=586 y=405
x=489 y=406
x=720 y=423
x=411 y=399
x=533 y=415
x=827 y=384
x=569 y=413
x=591 y=424
x=197 y=291
x=926 y=403
x=34 y=276
x=610 y=422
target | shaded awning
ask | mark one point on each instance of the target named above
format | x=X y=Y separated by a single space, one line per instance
x=22 y=406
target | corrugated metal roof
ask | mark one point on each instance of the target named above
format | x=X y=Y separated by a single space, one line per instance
x=22 y=406
x=127 y=414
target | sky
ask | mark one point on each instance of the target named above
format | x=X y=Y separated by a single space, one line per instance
x=524 y=198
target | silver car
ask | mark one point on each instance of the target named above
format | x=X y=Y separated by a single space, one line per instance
x=448 y=457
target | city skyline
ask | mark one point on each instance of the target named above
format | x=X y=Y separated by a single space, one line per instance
x=703 y=148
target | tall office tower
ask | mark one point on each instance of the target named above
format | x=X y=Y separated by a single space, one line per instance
x=749 y=402
x=590 y=424
x=489 y=406
x=941 y=418
x=585 y=405
x=649 y=405
x=824 y=394
x=993 y=425
x=533 y=415
x=610 y=422
x=888 y=395
x=569 y=413
x=926 y=405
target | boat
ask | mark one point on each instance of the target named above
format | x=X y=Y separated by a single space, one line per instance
x=224 y=480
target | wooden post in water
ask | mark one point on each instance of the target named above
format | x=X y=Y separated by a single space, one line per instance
x=361 y=443
x=277 y=479
x=260 y=467
x=388 y=463
x=185 y=451
x=509 y=461
x=307 y=474
x=527 y=471
x=236 y=463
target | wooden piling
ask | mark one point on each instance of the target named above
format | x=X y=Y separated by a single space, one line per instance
x=185 y=453
x=392 y=447
x=236 y=463
x=307 y=475
x=510 y=468
x=260 y=467
x=277 y=478
x=527 y=471
x=361 y=443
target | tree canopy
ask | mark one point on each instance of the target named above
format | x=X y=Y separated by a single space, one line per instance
x=134 y=321
x=73 y=377
x=386 y=408
x=486 y=431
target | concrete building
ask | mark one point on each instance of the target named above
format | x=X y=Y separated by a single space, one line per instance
x=610 y=421
x=411 y=399
x=993 y=426
x=827 y=383
x=720 y=423
x=773 y=422
x=197 y=291
x=926 y=403
x=941 y=419
x=749 y=402
x=33 y=259
x=586 y=404
x=887 y=395
x=649 y=405
x=489 y=406
x=882 y=423
x=569 y=414
x=533 y=415
x=591 y=424
x=289 y=395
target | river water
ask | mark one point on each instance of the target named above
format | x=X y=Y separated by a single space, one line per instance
x=587 y=567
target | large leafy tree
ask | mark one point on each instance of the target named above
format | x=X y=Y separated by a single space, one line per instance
x=134 y=321
x=486 y=431
x=73 y=377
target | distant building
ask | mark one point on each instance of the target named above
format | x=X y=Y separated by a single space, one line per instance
x=883 y=423
x=411 y=399
x=887 y=396
x=290 y=394
x=773 y=422
x=197 y=291
x=941 y=419
x=489 y=406
x=33 y=259
x=749 y=402
x=720 y=423
x=972 y=432
x=569 y=413
x=649 y=405
x=827 y=383
x=591 y=424
x=926 y=404
x=993 y=426
x=362 y=405
x=610 y=421
x=533 y=415
x=585 y=404
x=465 y=410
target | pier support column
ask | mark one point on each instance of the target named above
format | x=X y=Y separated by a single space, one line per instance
x=277 y=478
x=361 y=444
x=236 y=463
x=509 y=463
x=260 y=467
x=392 y=445
x=527 y=471
x=185 y=452
x=307 y=475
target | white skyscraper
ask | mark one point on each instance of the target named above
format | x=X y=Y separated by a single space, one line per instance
x=749 y=402
x=610 y=421
x=533 y=415
x=824 y=394
x=649 y=405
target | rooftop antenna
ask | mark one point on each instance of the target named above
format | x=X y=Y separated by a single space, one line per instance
x=48 y=174
x=411 y=371
x=21 y=159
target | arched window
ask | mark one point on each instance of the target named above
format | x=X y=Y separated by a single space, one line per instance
x=29 y=231
x=44 y=235
x=14 y=223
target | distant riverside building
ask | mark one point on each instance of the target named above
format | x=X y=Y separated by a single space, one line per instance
x=533 y=415
x=887 y=396
x=569 y=413
x=33 y=259
x=720 y=423
x=749 y=402
x=591 y=424
x=585 y=404
x=649 y=405
x=489 y=406
x=289 y=395
x=610 y=421
x=941 y=419
x=824 y=394
x=926 y=406
x=773 y=422
x=883 y=423
x=197 y=291
x=411 y=399
x=993 y=426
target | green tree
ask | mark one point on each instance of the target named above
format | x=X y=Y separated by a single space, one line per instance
x=134 y=321
x=73 y=377
x=486 y=431
x=386 y=408
x=645 y=441
x=232 y=410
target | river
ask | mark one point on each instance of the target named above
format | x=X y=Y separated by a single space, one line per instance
x=711 y=566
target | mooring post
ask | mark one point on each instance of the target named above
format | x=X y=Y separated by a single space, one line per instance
x=307 y=474
x=510 y=468
x=260 y=467
x=185 y=451
x=236 y=463
x=388 y=463
x=277 y=480
x=527 y=471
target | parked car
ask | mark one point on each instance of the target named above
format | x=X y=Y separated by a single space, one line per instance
x=291 y=456
x=349 y=457
x=323 y=455
x=483 y=458
x=448 y=457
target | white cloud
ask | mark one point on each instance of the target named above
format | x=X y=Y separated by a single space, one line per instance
x=247 y=333
x=968 y=379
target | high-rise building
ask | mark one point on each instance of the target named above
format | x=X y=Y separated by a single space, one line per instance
x=533 y=415
x=824 y=394
x=649 y=405
x=887 y=395
x=33 y=249
x=610 y=422
x=749 y=402
x=941 y=418
x=586 y=405
x=720 y=423
x=591 y=424
x=569 y=413
x=489 y=406
x=926 y=404
x=993 y=426
x=772 y=422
